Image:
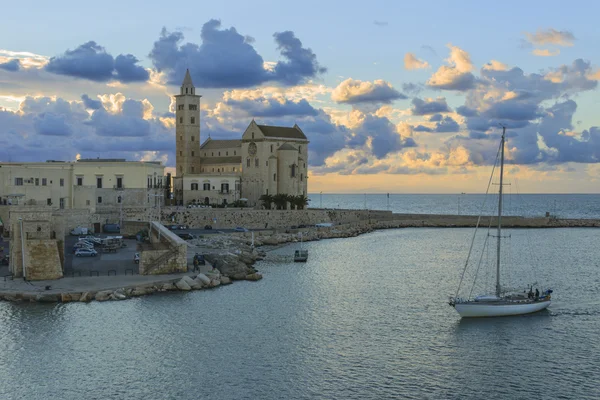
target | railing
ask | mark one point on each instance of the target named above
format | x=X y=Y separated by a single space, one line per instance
x=119 y=187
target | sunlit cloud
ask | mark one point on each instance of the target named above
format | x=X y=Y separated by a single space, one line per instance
x=412 y=62
x=545 y=52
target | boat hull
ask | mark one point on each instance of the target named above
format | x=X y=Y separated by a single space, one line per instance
x=498 y=309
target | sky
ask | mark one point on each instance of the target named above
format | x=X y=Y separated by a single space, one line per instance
x=394 y=96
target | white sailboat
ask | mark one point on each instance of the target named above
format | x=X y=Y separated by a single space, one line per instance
x=302 y=254
x=500 y=303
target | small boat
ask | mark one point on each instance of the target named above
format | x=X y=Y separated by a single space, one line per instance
x=502 y=302
x=301 y=255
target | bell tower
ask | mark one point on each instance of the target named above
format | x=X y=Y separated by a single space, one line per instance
x=187 y=131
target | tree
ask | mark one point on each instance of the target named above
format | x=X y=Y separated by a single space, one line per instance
x=267 y=200
x=280 y=201
x=300 y=201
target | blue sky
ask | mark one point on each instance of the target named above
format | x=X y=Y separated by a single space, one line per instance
x=366 y=134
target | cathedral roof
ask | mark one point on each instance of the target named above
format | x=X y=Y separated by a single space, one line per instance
x=211 y=144
x=221 y=160
x=282 y=132
x=287 y=146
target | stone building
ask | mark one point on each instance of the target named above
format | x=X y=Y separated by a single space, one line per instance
x=266 y=160
x=86 y=183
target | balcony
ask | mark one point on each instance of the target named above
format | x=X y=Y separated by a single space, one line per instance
x=119 y=187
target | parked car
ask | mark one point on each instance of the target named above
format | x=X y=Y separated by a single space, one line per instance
x=79 y=231
x=208 y=227
x=85 y=253
x=186 y=236
x=136 y=258
x=111 y=228
x=240 y=229
x=172 y=227
x=183 y=226
x=92 y=239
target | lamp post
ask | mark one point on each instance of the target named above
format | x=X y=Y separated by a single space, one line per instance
x=321 y=200
x=159 y=216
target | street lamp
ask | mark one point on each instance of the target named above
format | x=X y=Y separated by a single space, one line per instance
x=321 y=200
x=22 y=247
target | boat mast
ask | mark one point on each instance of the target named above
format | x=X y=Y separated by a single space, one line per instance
x=500 y=213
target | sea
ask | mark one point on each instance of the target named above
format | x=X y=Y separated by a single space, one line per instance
x=365 y=318
x=527 y=205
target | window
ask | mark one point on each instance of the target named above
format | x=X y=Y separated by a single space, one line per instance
x=233 y=169
x=193 y=119
x=37 y=182
x=180 y=153
x=180 y=137
x=186 y=90
x=219 y=154
x=213 y=170
x=293 y=170
x=192 y=154
x=181 y=120
x=256 y=162
x=267 y=163
x=204 y=154
x=248 y=162
x=119 y=182
x=49 y=202
x=180 y=107
x=194 y=186
x=299 y=149
x=275 y=177
x=192 y=136
x=252 y=135
x=119 y=199
x=206 y=186
x=149 y=181
x=80 y=181
x=87 y=202
x=271 y=148
x=218 y=170
x=99 y=200
x=234 y=152
x=225 y=187
x=61 y=203
x=62 y=182
x=192 y=168
x=193 y=107
x=99 y=182
x=212 y=154
x=226 y=153
x=301 y=177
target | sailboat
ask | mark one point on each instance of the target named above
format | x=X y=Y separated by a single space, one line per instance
x=501 y=302
x=302 y=254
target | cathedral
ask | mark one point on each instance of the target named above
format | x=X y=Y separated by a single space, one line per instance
x=266 y=160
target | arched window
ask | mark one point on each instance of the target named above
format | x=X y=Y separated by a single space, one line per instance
x=186 y=90
x=301 y=177
x=293 y=170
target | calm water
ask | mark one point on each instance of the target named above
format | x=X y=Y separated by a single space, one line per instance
x=562 y=205
x=365 y=318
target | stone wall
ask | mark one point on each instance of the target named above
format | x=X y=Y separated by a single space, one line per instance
x=42 y=260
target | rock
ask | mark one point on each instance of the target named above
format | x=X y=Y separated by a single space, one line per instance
x=215 y=282
x=183 y=285
x=204 y=279
x=87 y=296
x=240 y=276
x=139 y=291
x=197 y=284
x=169 y=286
x=66 y=298
x=119 y=295
x=225 y=280
x=46 y=298
x=103 y=295
x=75 y=296
x=257 y=276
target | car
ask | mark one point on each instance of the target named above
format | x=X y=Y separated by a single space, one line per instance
x=240 y=229
x=136 y=258
x=85 y=253
x=208 y=227
x=182 y=227
x=186 y=236
x=92 y=239
x=172 y=227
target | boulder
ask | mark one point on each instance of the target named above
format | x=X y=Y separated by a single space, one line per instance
x=169 y=286
x=10 y=297
x=214 y=282
x=204 y=279
x=138 y=291
x=87 y=296
x=183 y=285
x=257 y=276
x=66 y=298
x=119 y=295
x=75 y=296
x=103 y=295
x=197 y=284
x=225 y=280
x=46 y=298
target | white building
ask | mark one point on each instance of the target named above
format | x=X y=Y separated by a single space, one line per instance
x=267 y=160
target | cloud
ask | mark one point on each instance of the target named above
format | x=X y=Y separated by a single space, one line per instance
x=442 y=125
x=91 y=104
x=52 y=125
x=91 y=61
x=550 y=37
x=456 y=75
x=226 y=59
x=353 y=91
x=545 y=52
x=11 y=65
x=495 y=65
x=429 y=106
x=264 y=107
x=380 y=23
x=412 y=62
x=380 y=136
